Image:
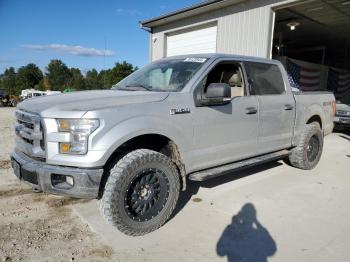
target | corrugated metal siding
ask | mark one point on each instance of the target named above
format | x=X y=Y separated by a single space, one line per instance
x=244 y=29
x=245 y=33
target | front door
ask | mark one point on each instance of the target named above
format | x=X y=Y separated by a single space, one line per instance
x=225 y=133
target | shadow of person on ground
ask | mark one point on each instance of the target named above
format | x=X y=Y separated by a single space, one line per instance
x=245 y=239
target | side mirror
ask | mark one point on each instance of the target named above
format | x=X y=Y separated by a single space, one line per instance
x=217 y=94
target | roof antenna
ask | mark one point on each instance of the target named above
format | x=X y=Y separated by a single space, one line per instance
x=104 y=64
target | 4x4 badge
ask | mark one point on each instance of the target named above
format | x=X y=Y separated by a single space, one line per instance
x=177 y=111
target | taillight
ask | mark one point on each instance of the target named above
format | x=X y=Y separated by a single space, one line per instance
x=333 y=107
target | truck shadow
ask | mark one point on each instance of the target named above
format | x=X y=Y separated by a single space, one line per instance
x=246 y=239
x=193 y=187
x=345 y=137
x=342 y=131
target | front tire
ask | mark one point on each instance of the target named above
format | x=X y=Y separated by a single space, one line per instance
x=307 y=153
x=141 y=192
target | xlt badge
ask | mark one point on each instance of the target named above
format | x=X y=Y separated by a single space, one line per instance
x=177 y=111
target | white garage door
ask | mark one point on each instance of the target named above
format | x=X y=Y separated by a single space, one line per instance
x=192 y=42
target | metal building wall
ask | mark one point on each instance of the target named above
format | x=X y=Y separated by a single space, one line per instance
x=246 y=32
x=244 y=29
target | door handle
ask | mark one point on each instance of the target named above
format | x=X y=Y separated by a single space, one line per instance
x=288 y=107
x=251 y=110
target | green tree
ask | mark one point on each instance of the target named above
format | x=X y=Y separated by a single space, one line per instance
x=43 y=85
x=28 y=76
x=77 y=81
x=120 y=71
x=92 y=80
x=105 y=79
x=9 y=81
x=58 y=75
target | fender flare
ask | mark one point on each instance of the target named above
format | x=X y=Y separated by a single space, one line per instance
x=129 y=129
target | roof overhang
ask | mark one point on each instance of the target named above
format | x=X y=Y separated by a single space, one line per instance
x=206 y=6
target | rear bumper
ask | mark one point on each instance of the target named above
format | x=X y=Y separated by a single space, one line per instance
x=86 y=181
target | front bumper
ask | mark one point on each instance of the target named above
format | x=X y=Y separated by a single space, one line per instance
x=342 y=120
x=86 y=181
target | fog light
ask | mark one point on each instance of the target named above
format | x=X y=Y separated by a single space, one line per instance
x=62 y=181
x=70 y=180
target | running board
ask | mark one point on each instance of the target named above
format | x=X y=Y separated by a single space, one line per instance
x=222 y=170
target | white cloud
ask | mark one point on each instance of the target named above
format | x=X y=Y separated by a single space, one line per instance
x=127 y=11
x=6 y=61
x=73 y=50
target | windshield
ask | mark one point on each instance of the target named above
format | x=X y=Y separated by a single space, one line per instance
x=167 y=75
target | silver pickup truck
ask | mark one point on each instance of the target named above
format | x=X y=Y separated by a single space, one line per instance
x=181 y=118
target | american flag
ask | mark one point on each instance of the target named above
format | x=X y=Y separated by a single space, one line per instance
x=338 y=81
x=303 y=77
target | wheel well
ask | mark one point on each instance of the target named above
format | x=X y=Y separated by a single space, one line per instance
x=315 y=118
x=155 y=142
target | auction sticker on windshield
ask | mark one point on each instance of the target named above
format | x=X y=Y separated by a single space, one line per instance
x=195 y=59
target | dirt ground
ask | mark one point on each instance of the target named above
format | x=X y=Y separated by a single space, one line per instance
x=39 y=227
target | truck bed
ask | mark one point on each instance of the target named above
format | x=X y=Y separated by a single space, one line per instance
x=309 y=103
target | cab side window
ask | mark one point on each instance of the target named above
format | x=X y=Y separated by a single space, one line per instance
x=264 y=79
x=226 y=72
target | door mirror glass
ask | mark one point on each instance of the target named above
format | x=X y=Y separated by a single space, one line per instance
x=218 y=90
x=217 y=94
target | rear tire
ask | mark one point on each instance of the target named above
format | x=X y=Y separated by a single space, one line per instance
x=141 y=192
x=307 y=153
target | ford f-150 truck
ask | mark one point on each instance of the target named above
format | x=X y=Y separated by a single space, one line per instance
x=177 y=119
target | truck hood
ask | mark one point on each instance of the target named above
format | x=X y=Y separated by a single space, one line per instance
x=78 y=103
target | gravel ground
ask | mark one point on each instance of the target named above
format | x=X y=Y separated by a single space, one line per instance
x=39 y=227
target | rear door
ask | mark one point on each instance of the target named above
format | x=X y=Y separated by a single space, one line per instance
x=276 y=106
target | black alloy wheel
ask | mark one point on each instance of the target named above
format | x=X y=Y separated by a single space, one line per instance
x=147 y=195
x=313 y=148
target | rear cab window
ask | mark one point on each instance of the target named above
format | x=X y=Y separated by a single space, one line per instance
x=264 y=79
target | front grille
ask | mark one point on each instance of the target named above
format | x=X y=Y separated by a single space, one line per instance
x=342 y=113
x=29 y=131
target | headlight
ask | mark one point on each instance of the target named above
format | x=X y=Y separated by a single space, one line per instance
x=80 y=129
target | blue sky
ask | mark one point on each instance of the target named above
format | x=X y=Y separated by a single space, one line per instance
x=75 y=31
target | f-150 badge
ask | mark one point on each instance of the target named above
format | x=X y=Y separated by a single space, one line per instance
x=177 y=111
